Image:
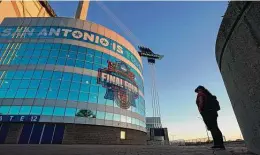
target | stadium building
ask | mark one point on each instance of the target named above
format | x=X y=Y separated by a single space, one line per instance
x=69 y=81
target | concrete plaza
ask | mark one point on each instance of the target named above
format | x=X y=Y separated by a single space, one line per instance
x=114 y=150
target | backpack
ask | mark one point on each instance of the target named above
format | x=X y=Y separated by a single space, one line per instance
x=214 y=103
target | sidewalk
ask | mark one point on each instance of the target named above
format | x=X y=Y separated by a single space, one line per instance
x=112 y=150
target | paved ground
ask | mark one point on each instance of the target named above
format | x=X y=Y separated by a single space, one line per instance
x=113 y=150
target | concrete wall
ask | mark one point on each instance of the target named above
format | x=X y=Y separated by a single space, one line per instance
x=22 y=9
x=238 y=57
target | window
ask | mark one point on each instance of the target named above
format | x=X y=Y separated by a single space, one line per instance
x=122 y=135
x=4 y=109
x=70 y=112
x=83 y=97
x=20 y=93
x=14 y=110
x=47 y=111
x=128 y=119
x=73 y=95
x=100 y=115
x=75 y=86
x=65 y=85
x=92 y=98
x=77 y=77
x=52 y=94
x=36 y=110
x=58 y=111
x=66 y=76
x=47 y=74
x=116 y=117
x=31 y=93
x=63 y=94
x=25 y=110
x=109 y=116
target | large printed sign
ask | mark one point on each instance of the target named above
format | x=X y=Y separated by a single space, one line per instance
x=68 y=33
x=19 y=118
x=120 y=84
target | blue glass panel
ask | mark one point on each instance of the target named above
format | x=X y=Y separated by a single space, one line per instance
x=94 y=81
x=75 y=86
x=39 y=46
x=55 y=84
x=15 y=84
x=36 y=110
x=81 y=56
x=42 y=94
x=57 y=75
x=116 y=117
x=82 y=50
x=109 y=116
x=4 y=110
x=52 y=94
x=47 y=46
x=91 y=52
x=77 y=77
x=20 y=93
x=101 y=100
x=94 y=89
x=63 y=54
x=9 y=74
x=25 y=110
x=63 y=94
x=14 y=110
x=47 y=74
x=47 y=111
x=70 y=112
x=98 y=60
x=123 y=118
x=92 y=98
x=79 y=64
x=100 y=115
x=67 y=76
x=89 y=58
x=67 y=46
x=110 y=103
x=56 y=46
x=51 y=60
x=45 y=53
x=44 y=84
x=24 y=84
x=34 y=84
x=31 y=93
x=33 y=61
x=61 y=61
x=88 y=65
x=73 y=95
x=6 y=84
x=83 y=97
x=72 y=55
x=59 y=111
x=70 y=62
x=11 y=93
x=28 y=74
x=65 y=85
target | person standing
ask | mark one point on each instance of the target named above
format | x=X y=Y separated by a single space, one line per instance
x=208 y=107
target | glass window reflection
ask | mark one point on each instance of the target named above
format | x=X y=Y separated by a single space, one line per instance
x=14 y=110
x=4 y=109
x=116 y=117
x=36 y=110
x=25 y=110
x=70 y=112
x=59 y=111
x=100 y=115
x=47 y=111
x=109 y=116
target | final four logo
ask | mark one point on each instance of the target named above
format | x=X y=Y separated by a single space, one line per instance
x=120 y=84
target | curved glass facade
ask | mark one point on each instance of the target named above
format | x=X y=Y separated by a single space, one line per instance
x=63 y=77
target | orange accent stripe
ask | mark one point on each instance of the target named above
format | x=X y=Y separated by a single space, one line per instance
x=16 y=8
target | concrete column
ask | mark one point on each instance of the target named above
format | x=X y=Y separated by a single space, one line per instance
x=238 y=58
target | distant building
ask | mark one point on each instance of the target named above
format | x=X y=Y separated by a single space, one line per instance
x=25 y=9
x=153 y=122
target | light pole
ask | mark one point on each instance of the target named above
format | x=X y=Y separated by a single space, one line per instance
x=206 y=128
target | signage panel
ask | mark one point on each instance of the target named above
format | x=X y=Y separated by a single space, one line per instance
x=19 y=118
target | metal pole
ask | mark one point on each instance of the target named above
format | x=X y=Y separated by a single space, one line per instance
x=82 y=10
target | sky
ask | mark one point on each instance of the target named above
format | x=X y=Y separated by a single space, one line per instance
x=185 y=33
